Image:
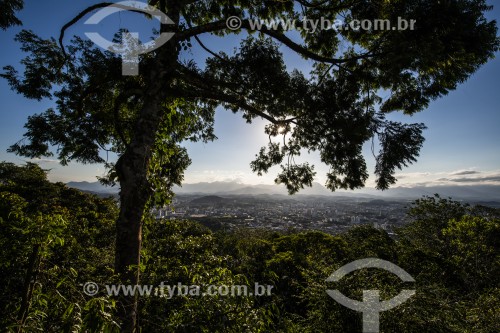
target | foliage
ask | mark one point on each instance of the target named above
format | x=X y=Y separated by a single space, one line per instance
x=54 y=239
x=8 y=8
x=185 y=252
x=334 y=110
x=474 y=242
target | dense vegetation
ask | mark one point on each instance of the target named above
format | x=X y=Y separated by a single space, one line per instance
x=54 y=239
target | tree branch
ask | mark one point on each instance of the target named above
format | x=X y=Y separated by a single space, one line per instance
x=238 y=101
x=201 y=29
x=279 y=36
x=209 y=89
x=85 y=12
x=303 y=50
x=311 y=5
x=320 y=5
x=200 y=81
x=203 y=46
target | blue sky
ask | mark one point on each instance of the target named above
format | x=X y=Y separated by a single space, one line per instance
x=462 y=141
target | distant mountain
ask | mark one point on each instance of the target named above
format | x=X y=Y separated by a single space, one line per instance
x=471 y=192
x=214 y=187
x=475 y=193
x=234 y=188
x=95 y=187
x=208 y=200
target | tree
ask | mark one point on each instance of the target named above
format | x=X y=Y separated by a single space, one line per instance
x=186 y=252
x=53 y=239
x=8 y=9
x=334 y=110
x=451 y=249
x=475 y=244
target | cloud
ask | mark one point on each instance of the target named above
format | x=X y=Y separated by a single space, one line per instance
x=43 y=160
x=237 y=176
x=409 y=175
x=451 y=178
x=465 y=172
x=476 y=179
x=457 y=177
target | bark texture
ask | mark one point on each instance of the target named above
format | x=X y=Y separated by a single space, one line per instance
x=132 y=169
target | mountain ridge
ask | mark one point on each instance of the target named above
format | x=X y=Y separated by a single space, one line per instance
x=470 y=192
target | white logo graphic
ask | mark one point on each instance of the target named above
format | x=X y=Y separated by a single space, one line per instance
x=131 y=47
x=371 y=305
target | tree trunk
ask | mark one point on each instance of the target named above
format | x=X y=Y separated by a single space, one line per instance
x=29 y=284
x=132 y=169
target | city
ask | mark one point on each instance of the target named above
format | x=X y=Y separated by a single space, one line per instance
x=275 y=212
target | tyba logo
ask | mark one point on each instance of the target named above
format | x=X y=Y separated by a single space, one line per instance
x=371 y=306
x=130 y=47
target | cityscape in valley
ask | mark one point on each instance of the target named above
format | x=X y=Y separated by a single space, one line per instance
x=230 y=205
x=274 y=212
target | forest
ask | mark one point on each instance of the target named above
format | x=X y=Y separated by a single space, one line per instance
x=54 y=239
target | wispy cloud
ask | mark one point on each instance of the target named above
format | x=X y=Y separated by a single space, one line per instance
x=409 y=179
x=460 y=177
x=476 y=179
x=43 y=160
x=237 y=176
x=465 y=172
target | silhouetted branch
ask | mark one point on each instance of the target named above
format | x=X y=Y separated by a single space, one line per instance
x=89 y=10
x=279 y=36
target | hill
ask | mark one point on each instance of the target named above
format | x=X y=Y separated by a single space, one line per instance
x=208 y=200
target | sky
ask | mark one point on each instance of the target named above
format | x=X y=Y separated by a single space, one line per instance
x=462 y=140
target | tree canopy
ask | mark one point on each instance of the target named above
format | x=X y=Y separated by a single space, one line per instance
x=8 y=9
x=333 y=110
x=52 y=238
